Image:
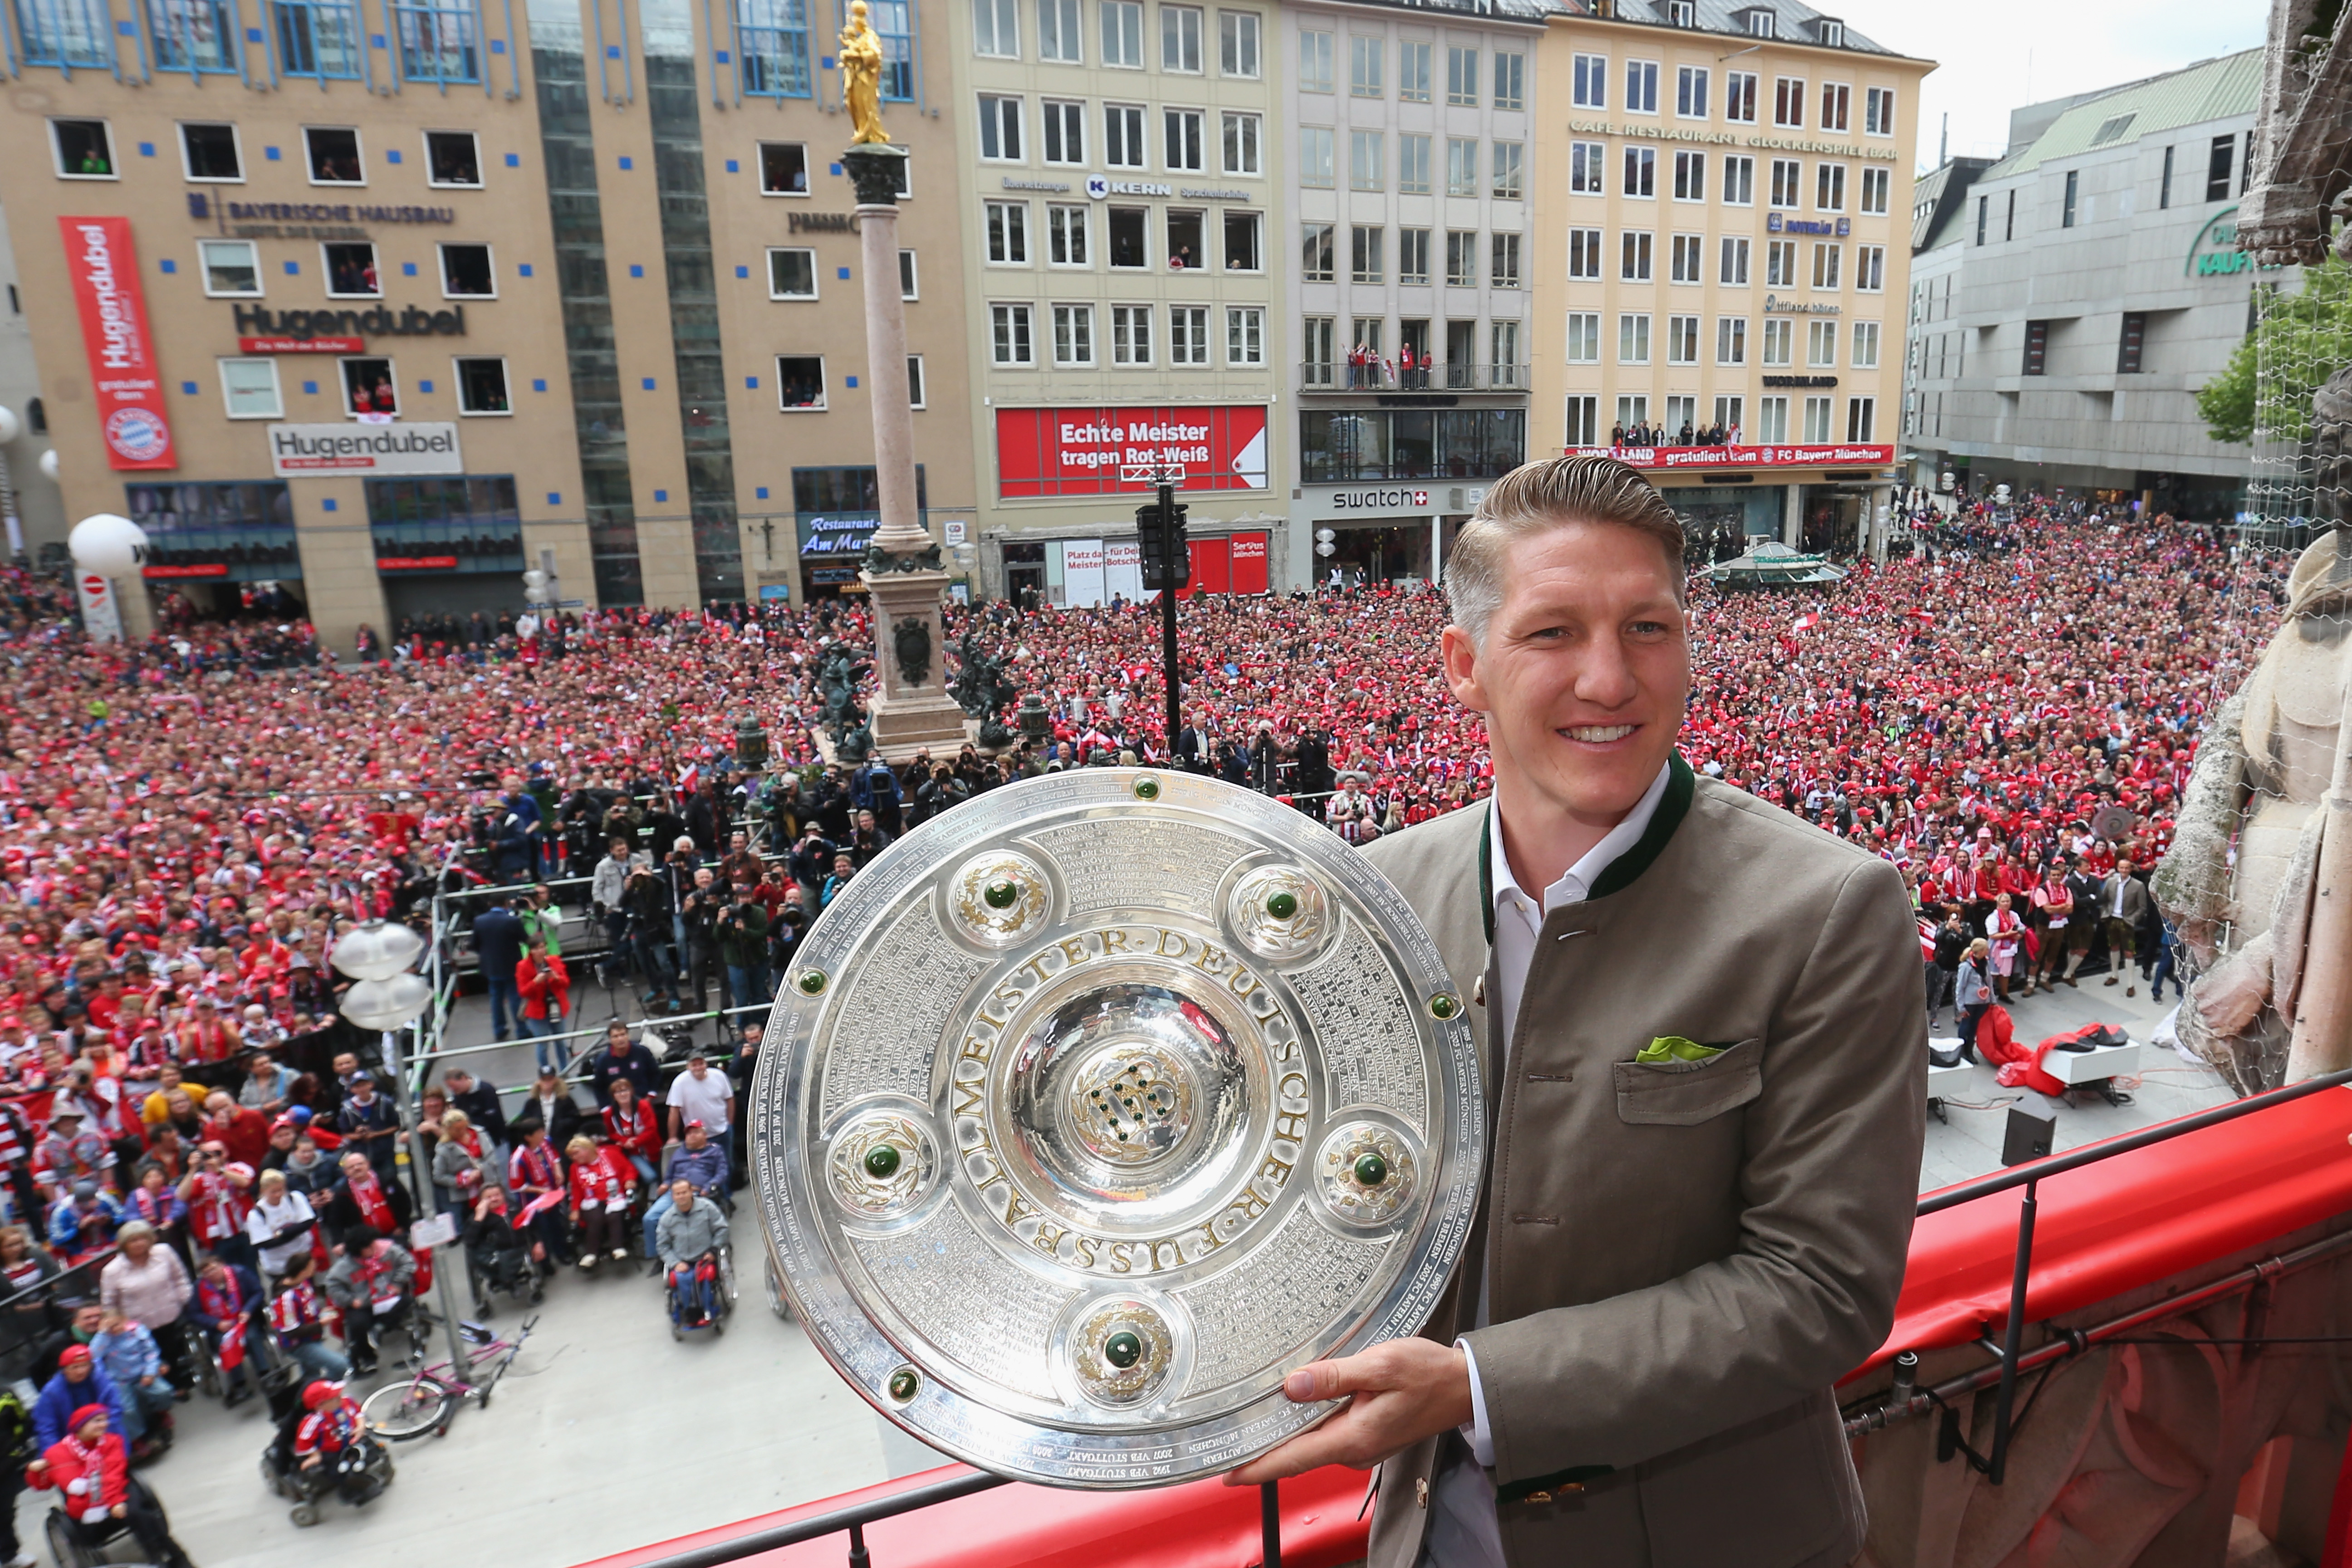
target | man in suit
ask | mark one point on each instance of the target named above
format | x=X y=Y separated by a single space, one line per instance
x=2123 y=905
x=498 y=940
x=1704 y=1059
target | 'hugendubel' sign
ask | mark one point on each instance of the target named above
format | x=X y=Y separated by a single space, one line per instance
x=128 y=388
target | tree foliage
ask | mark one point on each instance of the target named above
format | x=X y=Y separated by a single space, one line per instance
x=2298 y=341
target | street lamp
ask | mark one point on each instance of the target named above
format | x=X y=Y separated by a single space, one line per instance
x=388 y=995
x=751 y=743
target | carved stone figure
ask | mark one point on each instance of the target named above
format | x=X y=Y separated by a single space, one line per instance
x=861 y=75
x=2263 y=773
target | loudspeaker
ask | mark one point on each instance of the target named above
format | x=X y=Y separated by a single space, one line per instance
x=2028 y=1138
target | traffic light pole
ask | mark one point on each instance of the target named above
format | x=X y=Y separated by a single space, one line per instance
x=1167 y=631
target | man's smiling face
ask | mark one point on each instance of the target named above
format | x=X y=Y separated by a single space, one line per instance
x=1585 y=668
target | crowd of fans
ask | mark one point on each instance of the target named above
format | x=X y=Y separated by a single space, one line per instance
x=196 y=1166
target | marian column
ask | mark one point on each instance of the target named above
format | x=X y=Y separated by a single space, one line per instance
x=902 y=575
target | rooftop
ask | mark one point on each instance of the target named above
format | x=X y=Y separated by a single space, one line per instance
x=1791 y=23
x=1533 y=11
x=2211 y=90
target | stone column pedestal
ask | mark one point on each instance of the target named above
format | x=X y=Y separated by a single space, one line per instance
x=902 y=574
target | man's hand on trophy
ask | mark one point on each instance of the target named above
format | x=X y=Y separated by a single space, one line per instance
x=1403 y=1392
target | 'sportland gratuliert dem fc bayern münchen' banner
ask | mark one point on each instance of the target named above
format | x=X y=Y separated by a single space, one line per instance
x=128 y=390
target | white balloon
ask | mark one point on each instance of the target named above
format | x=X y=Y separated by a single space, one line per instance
x=49 y=462
x=1325 y=547
x=10 y=426
x=534 y=578
x=107 y=544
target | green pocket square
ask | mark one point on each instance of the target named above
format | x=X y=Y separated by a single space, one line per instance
x=1674 y=1048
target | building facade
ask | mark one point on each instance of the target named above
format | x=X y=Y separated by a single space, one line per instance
x=1721 y=265
x=2068 y=309
x=1121 y=174
x=385 y=309
x=31 y=505
x=1412 y=150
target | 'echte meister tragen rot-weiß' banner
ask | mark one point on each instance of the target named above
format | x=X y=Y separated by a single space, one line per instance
x=1079 y=451
x=1849 y=457
x=129 y=389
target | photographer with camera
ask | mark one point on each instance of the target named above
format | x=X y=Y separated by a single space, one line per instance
x=742 y=930
x=649 y=919
x=697 y=920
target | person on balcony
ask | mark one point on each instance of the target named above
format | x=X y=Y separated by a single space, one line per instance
x=1707 y=1017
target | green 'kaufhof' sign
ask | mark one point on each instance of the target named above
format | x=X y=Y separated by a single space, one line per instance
x=2215 y=253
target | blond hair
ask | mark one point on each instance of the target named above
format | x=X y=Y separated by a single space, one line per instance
x=1542 y=495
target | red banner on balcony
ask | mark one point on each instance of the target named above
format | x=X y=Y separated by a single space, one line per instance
x=1079 y=451
x=130 y=390
x=201 y=569
x=417 y=564
x=1835 y=456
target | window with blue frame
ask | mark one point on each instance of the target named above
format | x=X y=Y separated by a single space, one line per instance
x=771 y=47
x=193 y=35
x=465 y=524
x=317 y=38
x=65 y=33
x=893 y=22
x=438 y=43
x=235 y=533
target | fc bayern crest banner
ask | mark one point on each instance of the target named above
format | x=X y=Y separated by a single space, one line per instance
x=129 y=389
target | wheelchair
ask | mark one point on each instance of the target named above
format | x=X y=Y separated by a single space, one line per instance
x=358 y=1475
x=710 y=1281
x=509 y=1271
x=73 y=1544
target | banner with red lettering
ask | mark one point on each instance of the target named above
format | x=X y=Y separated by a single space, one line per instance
x=129 y=388
x=1079 y=451
x=1741 y=456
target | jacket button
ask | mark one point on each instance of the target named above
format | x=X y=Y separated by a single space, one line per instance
x=1538 y=1497
x=1421 y=1491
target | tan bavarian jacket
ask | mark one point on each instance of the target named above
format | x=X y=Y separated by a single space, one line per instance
x=1683 y=1257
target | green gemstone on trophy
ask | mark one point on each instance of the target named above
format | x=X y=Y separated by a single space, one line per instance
x=1281 y=906
x=903 y=1384
x=1002 y=893
x=1441 y=1006
x=882 y=1162
x=1123 y=1348
x=1371 y=1169
x=811 y=981
x=1147 y=789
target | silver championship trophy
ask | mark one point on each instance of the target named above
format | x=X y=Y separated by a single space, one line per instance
x=1097 y=1105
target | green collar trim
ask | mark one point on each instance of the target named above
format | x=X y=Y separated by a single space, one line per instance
x=1682 y=784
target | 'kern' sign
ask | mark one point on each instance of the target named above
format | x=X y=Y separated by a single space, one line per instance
x=307 y=451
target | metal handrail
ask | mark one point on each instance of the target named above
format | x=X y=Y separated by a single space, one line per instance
x=1993 y=1464
x=2106 y=1149
x=833 y=1521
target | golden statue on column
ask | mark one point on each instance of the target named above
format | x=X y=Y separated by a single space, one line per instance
x=861 y=75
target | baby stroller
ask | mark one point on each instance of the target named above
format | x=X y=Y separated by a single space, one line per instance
x=701 y=1294
x=498 y=1260
x=358 y=1475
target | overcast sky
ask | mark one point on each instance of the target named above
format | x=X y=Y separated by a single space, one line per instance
x=1995 y=54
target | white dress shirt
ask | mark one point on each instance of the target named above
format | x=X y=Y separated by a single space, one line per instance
x=1463 y=1530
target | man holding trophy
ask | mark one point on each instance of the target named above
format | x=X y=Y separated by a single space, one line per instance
x=1699 y=1026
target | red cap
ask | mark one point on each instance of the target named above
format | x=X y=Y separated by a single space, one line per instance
x=82 y=1415
x=73 y=1355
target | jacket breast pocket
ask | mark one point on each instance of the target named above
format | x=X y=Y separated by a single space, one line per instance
x=1684 y=1094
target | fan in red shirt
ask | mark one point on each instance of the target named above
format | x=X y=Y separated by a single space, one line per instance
x=630 y=1126
x=90 y=1468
